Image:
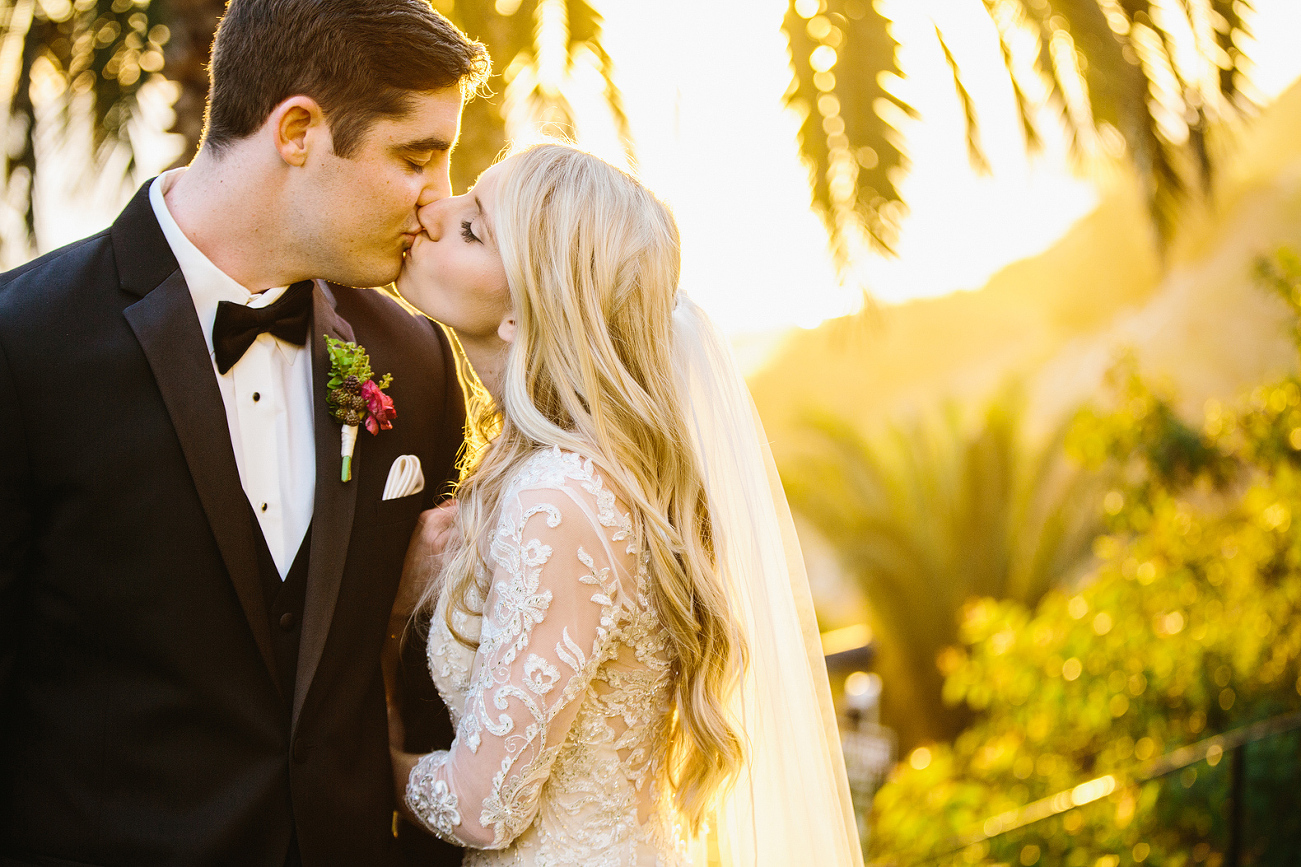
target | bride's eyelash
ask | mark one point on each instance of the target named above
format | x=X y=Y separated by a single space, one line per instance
x=466 y=232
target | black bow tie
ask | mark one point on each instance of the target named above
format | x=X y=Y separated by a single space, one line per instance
x=236 y=327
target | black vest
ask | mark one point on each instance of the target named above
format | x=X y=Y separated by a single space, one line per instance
x=284 y=600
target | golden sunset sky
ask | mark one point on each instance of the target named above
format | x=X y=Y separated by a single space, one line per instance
x=703 y=83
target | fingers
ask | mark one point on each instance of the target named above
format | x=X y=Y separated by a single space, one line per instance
x=434 y=524
x=443 y=515
x=436 y=521
x=430 y=537
x=436 y=527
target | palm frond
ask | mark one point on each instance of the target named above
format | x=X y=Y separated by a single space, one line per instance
x=1117 y=86
x=839 y=57
x=508 y=31
x=1093 y=66
x=528 y=85
x=586 y=33
x=931 y=513
x=1230 y=29
x=1136 y=83
x=975 y=153
x=1024 y=108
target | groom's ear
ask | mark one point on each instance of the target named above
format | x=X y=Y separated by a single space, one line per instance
x=297 y=126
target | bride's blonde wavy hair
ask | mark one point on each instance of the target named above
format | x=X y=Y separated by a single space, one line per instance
x=592 y=260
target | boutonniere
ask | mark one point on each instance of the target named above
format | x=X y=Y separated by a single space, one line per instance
x=354 y=398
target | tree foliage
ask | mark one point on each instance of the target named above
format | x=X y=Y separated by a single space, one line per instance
x=932 y=513
x=99 y=53
x=1191 y=626
x=1158 y=76
x=535 y=45
x=840 y=54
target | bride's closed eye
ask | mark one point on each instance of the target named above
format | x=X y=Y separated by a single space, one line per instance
x=467 y=233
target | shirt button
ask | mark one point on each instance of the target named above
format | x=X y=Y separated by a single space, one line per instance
x=264 y=507
x=288 y=621
x=256 y=397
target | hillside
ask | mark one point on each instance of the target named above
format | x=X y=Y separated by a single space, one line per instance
x=1057 y=320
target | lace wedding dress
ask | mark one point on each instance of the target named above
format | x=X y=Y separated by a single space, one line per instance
x=562 y=713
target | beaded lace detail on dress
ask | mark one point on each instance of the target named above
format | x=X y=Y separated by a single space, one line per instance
x=561 y=714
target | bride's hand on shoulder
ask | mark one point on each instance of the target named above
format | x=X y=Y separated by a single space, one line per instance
x=424 y=556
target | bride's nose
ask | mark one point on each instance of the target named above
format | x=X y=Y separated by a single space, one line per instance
x=428 y=215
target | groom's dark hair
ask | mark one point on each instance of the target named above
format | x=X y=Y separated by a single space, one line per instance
x=359 y=59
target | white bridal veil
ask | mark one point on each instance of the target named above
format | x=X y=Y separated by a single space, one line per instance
x=791 y=803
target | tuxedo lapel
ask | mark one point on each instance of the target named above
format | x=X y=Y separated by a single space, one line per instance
x=335 y=501
x=168 y=330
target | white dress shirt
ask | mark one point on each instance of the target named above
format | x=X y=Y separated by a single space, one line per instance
x=267 y=393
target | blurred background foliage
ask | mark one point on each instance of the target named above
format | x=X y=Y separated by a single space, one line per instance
x=932 y=512
x=534 y=45
x=1144 y=81
x=1189 y=626
x=1177 y=613
x=97 y=53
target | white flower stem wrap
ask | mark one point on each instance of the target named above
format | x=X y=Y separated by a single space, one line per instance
x=791 y=802
x=348 y=442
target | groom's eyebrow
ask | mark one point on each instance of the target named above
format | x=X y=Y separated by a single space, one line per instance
x=432 y=143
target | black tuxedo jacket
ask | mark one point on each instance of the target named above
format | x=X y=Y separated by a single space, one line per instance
x=142 y=720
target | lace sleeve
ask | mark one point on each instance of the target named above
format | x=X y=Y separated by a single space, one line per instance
x=550 y=619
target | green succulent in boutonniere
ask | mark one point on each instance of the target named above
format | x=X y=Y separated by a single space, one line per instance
x=355 y=399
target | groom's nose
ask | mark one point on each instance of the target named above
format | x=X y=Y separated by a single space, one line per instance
x=438 y=185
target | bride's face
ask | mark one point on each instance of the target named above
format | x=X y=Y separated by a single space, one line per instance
x=453 y=272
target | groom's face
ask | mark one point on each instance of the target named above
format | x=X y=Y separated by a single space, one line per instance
x=365 y=205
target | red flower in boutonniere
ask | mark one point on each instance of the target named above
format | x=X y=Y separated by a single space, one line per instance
x=380 y=405
x=355 y=398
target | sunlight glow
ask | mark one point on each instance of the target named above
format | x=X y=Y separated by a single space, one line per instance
x=712 y=139
x=846 y=638
x=1087 y=793
x=822 y=58
x=807 y=8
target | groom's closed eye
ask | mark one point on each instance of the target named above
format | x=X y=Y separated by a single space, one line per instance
x=417 y=160
x=418 y=154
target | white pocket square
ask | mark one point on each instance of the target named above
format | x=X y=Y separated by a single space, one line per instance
x=404 y=478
